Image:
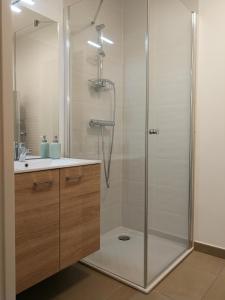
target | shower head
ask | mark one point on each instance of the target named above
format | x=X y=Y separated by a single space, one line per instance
x=100 y=27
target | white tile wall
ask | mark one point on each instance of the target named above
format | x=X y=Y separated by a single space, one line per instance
x=134 y=114
x=88 y=104
x=170 y=81
x=125 y=63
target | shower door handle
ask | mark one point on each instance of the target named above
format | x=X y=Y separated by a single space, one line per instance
x=153 y=131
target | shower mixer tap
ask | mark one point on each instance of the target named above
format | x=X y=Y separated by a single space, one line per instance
x=99 y=123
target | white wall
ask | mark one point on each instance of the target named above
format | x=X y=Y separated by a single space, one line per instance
x=210 y=127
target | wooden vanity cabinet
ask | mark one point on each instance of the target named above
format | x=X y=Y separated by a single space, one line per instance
x=79 y=213
x=37 y=227
x=57 y=220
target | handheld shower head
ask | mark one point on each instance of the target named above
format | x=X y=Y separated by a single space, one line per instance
x=100 y=27
x=101 y=52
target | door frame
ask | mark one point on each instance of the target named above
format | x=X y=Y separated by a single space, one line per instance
x=7 y=205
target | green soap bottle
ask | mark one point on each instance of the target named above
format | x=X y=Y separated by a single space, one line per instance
x=55 y=149
x=44 y=147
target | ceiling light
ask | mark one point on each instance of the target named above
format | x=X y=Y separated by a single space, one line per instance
x=15 y=9
x=107 y=40
x=29 y=2
x=94 y=44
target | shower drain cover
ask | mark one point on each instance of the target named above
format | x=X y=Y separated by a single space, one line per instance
x=124 y=238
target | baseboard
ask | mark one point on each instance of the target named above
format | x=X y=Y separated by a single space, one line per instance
x=211 y=250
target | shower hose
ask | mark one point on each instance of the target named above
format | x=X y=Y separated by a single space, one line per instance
x=107 y=165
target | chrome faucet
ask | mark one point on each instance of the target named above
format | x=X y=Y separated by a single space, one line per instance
x=21 y=152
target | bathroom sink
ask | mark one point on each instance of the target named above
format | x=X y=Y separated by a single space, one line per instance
x=48 y=163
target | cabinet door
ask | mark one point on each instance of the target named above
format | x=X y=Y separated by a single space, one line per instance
x=79 y=213
x=37 y=227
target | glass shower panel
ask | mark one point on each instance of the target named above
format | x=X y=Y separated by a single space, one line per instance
x=169 y=133
x=108 y=88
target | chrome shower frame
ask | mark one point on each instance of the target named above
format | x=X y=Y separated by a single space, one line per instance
x=147 y=287
x=67 y=82
x=150 y=286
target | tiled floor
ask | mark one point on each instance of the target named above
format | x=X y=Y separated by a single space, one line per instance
x=200 y=276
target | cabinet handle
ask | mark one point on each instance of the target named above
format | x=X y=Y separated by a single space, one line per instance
x=44 y=184
x=74 y=179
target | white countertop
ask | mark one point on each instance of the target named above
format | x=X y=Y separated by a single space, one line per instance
x=33 y=165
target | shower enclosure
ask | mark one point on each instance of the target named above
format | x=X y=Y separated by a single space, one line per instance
x=129 y=95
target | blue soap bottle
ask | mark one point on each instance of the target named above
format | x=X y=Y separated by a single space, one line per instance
x=55 y=149
x=44 y=147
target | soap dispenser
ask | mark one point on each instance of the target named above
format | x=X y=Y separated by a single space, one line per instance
x=55 y=149
x=44 y=147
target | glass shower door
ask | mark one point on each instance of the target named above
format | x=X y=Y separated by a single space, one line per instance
x=144 y=227
x=107 y=51
x=169 y=138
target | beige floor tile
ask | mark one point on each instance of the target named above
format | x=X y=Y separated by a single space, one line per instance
x=154 y=295
x=77 y=282
x=217 y=290
x=127 y=293
x=204 y=262
x=50 y=287
x=96 y=286
x=123 y=293
x=200 y=275
x=186 y=283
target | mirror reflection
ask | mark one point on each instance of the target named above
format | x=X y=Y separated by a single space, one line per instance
x=36 y=76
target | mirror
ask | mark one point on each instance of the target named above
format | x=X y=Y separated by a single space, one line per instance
x=36 y=79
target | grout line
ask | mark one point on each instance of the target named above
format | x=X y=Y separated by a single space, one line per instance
x=114 y=291
x=95 y=274
x=207 y=290
x=212 y=284
x=165 y=295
